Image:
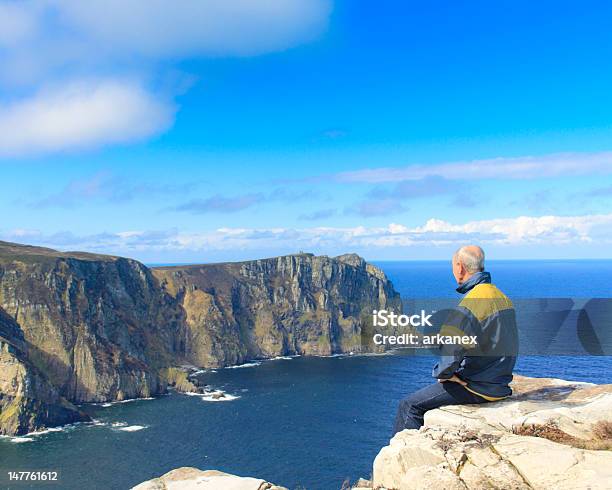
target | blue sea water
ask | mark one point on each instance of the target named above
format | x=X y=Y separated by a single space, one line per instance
x=301 y=422
x=517 y=278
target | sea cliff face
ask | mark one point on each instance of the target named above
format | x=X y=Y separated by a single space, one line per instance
x=296 y=304
x=95 y=325
x=27 y=400
x=96 y=328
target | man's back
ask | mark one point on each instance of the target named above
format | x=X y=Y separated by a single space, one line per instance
x=488 y=368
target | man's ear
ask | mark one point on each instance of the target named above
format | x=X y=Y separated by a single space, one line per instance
x=462 y=270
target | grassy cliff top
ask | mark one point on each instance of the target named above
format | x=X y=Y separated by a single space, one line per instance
x=349 y=259
x=10 y=252
x=229 y=263
x=223 y=274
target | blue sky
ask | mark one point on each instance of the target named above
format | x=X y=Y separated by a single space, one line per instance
x=223 y=130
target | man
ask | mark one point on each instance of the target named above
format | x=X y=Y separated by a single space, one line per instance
x=468 y=374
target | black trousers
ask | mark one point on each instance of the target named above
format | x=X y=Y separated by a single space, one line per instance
x=412 y=408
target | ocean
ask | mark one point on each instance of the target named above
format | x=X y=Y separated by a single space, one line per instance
x=307 y=423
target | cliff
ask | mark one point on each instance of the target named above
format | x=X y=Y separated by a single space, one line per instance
x=296 y=304
x=98 y=328
x=27 y=400
x=549 y=434
x=96 y=325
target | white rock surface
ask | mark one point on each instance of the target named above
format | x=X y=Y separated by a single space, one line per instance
x=194 y=479
x=474 y=447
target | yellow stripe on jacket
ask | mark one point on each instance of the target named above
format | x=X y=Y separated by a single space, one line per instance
x=485 y=300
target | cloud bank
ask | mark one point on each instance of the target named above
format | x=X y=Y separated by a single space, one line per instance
x=526 y=167
x=522 y=230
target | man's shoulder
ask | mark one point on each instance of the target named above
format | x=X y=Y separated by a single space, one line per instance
x=486 y=299
x=485 y=291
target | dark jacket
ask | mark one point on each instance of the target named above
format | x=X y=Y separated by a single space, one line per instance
x=488 y=314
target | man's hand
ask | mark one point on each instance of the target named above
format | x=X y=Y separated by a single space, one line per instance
x=455 y=379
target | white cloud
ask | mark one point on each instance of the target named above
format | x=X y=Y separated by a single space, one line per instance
x=162 y=28
x=80 y=115
x=527 y=167
x=45 y=37
x=60 y=42
x=509 y=232
x=523 y=229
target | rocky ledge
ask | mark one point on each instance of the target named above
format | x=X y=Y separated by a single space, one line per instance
x=192 y=478
x=549 y=434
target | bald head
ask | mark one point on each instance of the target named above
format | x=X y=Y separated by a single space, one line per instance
x=467 y=261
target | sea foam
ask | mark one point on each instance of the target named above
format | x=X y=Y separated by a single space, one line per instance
x=209 y=396
x=133 y=428
x=245 y=365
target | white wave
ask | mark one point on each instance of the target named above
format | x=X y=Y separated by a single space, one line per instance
x=375 y=354
x=345 y=355
x=99 y=423
x=329 y=356
x=116 y=402
x=30 y=436
x=197 y=372
x=52 y=429
x=129 y=400
x=122 y=426
x=214 y=395
x=245 y=365
x=133 y=428
x=258 y=362
x=339 y=355
x=210 y=397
